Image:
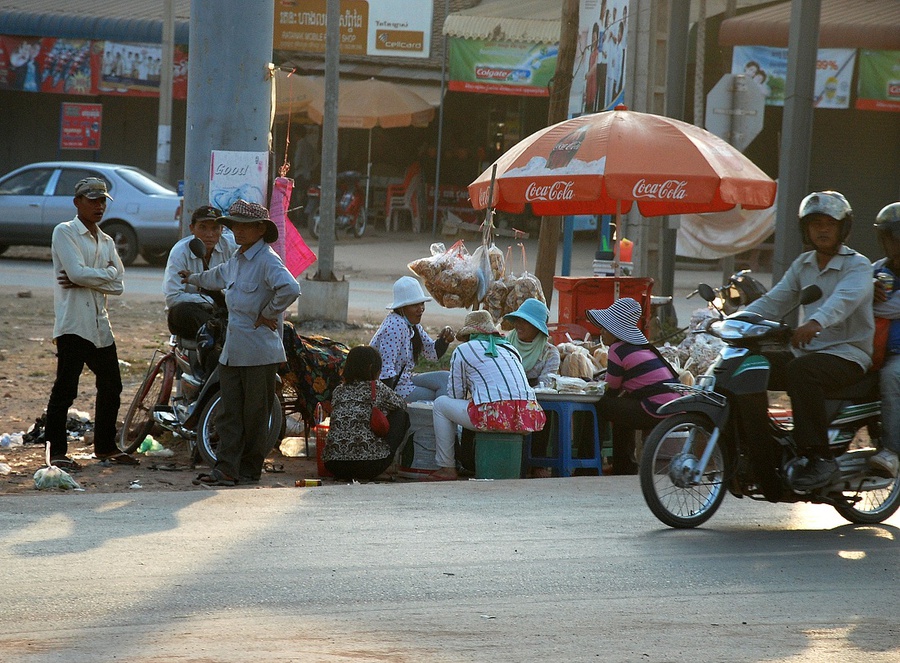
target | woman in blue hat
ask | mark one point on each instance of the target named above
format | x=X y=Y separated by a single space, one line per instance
x=531 y=338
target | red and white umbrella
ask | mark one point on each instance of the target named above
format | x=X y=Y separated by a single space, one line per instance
x=606 y=162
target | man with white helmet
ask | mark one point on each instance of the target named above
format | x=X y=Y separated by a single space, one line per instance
x=832 y=348
x=887 y=225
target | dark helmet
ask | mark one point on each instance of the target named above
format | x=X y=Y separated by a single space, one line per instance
x=888 y=220
x=829 y=203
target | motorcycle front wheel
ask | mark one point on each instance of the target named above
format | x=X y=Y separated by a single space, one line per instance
x=360 y=228
x=208 y=435
x=671 y=453
x=874 y=506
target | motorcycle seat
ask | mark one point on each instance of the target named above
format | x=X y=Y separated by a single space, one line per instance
x=187 y=343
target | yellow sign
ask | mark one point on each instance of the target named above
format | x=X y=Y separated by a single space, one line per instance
x=300 y=26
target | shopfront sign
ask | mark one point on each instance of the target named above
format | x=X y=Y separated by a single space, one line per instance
x=879 y=81
x=79 y=126
x=399 y=28
x=768 y=67
x=501 y=67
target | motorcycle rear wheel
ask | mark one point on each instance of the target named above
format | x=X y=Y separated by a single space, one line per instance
x=208 y=436
x=670 y=452
x=874 y=506
x=154 y=390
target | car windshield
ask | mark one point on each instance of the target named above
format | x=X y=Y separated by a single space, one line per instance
x=144 y=181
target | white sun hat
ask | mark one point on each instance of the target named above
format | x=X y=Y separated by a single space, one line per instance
x=407 y=291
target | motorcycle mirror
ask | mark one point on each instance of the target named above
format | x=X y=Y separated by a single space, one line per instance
x=810 y=294
x=197 y=247
x=706 y=291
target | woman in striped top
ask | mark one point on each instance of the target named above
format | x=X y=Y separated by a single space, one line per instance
x=635 y=380
x=487 y=390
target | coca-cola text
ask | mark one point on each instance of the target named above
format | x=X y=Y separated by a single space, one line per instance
x=668 y=190
x=558 y=190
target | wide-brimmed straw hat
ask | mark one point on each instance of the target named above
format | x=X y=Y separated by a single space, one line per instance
x=534 y=312
x=243 y=211
x=477 y=322
x=407 y=291
x=620 y=320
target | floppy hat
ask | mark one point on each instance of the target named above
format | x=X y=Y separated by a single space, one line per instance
x=407 y=291
x=243 y=211
x=534 y=312
x=92 y=188
x=620 y=320
x=477 y=322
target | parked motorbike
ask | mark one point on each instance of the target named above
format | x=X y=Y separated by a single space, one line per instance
x=181 y=391
x=705 y=446
x=350 y=207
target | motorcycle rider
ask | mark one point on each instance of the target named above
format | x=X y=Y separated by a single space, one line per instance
x=832 y=348
x=887 y=269
x=187 y=308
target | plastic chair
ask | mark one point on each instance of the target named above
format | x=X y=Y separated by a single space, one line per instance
x=404 y=197
x=563 y=462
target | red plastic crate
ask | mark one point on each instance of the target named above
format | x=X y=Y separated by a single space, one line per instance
x=578 y=294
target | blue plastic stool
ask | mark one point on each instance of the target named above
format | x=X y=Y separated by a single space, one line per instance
x=563 y=462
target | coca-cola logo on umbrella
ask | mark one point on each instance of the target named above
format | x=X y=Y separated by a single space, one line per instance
x=668 y=190
x=558 y=190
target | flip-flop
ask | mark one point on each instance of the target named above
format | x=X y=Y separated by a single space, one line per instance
x=438 y=477
x=66 y=464
x=118 y=459
x=214 y=478
x=273 y=468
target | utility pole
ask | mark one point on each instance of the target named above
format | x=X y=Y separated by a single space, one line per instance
x=548 y=240
x=164 y=128
x=329 y=141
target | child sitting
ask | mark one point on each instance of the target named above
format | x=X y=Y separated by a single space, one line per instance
x=353 y=451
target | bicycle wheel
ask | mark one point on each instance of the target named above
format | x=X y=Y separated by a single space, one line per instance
x=154 y=390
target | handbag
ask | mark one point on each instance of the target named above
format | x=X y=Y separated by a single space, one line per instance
x=378 y=422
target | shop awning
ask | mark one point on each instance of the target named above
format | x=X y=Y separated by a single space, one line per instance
x=123 y=20
x=531 y=21
x=872 y=24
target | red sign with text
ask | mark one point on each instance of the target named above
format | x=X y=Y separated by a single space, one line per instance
x=79 y=127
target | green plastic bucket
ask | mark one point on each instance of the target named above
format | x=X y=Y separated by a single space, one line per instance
x=498 y=455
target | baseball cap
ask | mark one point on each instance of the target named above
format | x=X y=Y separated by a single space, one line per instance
x=91 y=188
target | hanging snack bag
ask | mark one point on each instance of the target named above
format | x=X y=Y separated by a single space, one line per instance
x=449 y=275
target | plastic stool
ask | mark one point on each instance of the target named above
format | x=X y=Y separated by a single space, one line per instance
x=563 y=462
x=498 y=455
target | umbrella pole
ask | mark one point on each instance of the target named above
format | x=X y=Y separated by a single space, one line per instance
x=368 y=174
x=616 y=250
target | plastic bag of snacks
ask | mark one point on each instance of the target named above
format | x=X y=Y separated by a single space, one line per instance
x=520 y=288
x=449 y=275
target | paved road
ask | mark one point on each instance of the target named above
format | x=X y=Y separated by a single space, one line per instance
x=531 y=570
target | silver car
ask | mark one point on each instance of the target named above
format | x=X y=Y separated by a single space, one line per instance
x=142 y=218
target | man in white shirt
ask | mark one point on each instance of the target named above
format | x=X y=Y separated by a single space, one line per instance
x=87 y=269
x=188 y=308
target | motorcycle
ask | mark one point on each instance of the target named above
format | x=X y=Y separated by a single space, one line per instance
x=704 y=446
x=181 y=391
x=350 y=208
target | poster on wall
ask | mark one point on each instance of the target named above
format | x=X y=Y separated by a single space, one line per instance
x=234 y=175
x=80 y=126
x=398 y=28
x=878 y=87
x=598 y=81
x=501 y=67
x=768 y=67
x=80 y=66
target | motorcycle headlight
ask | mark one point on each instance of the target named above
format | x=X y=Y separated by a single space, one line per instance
x=737 y=329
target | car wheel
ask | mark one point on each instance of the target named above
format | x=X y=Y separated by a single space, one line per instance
x=125 y=239
x=156 y=257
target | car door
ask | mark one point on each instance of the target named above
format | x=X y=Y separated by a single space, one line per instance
x=59 y=207
x=21 y=206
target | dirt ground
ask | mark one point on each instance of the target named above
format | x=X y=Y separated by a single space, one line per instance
x=27 y=370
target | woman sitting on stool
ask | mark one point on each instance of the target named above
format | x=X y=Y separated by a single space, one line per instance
x=488 y=391
x=635 y=380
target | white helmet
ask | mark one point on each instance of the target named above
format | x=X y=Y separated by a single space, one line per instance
x=407 y=291
x=829 y=203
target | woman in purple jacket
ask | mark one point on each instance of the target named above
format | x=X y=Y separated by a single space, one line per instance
x=635 y=380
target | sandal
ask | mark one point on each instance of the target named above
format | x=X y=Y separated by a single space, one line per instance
x=214 y=478
x=118 y=459
x=273 y=468
x=65 y=463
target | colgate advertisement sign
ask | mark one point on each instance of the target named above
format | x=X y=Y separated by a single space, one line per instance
x=668 y=190
x=558 y=190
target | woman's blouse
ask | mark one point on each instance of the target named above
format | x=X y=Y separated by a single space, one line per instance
x=349 y=435
x=639 y=372
x=484 y=379
x=394 y=341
